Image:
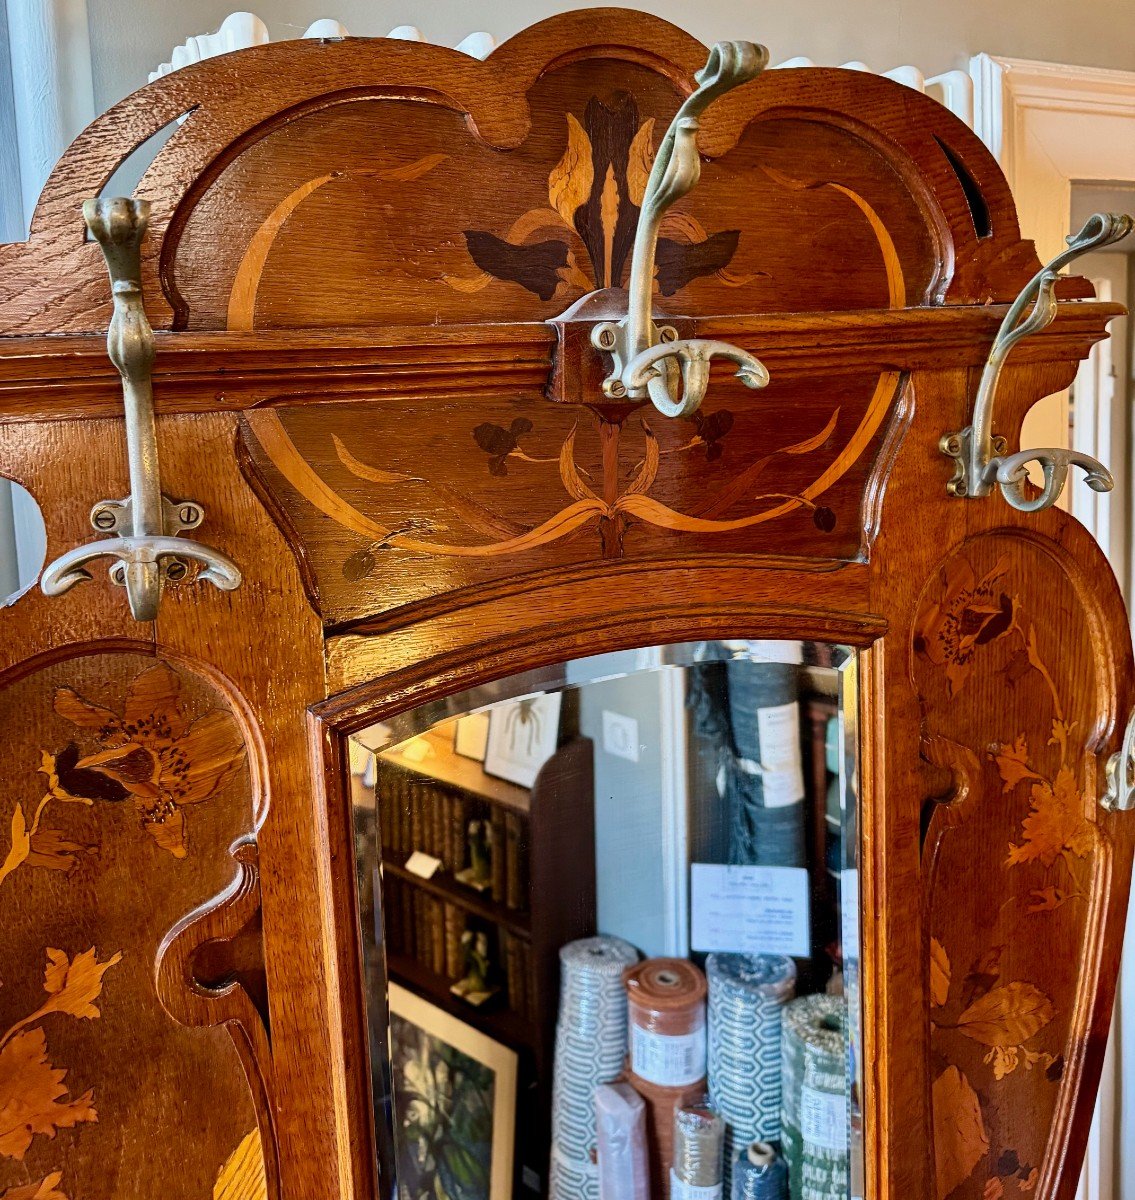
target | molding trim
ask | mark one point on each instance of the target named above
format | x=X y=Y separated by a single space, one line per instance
x=1049 y=124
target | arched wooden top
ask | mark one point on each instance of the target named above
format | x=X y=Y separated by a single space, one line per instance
x=372 y=182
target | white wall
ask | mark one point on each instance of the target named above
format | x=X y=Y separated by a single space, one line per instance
x=129 y=40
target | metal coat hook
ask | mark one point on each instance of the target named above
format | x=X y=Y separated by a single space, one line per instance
x=145 y=545
x=650 y=361
x=1120 y=793
x=980 y=458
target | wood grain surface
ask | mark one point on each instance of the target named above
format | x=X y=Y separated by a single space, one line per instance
x=356 y=253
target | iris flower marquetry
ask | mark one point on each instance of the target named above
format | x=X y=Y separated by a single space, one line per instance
x=582 y=239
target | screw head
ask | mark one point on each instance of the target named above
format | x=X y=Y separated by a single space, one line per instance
x=118 y=575
x=667 y=334
x=605 y=337
x=176 y=569
x=189 y=515
x=103 y=519
x=615 y=388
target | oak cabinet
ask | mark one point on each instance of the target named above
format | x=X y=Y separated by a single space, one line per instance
x=374 y=271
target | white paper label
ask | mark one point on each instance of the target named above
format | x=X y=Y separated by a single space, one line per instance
x=782 y=788
x=849 y=907
x=423 y=865
x=823 y=1119
x=779 y=731
x=692 y=1191
x=782 y=770
x=749 y=910
x=668 y=1060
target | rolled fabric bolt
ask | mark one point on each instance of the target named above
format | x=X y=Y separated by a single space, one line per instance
x=620 y=1125
x=761 y=835
x=754 y=686
x=697 y=1164
x=666 y=1013
x=590 y=1049
x=747 y=995
x=760 y=1173
x=765 y=780
x=661 y=1105
x=814 y=1100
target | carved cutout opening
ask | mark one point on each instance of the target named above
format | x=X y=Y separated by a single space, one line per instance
x=23 y=541
x=978 y=209
x=134 y=166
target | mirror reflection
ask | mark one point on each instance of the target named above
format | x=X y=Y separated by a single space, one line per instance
x=610 y=930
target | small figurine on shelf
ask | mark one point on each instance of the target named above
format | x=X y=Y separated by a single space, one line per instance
x=479 y=874
x=475 y=987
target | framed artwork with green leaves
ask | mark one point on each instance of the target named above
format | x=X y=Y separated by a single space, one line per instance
x=454 y=1105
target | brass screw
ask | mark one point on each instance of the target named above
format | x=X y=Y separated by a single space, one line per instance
x=103 y=519
x=667 y=334
x=176 y=569
x=605 y=338
x=118 y=574
x=189 y=514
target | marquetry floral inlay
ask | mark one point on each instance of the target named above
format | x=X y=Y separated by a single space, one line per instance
x=46 y=1189
x=155 y=753
x=967 y=613
x=35 y=1100
x=581 y=239
x=151 y=752
x=611 y=504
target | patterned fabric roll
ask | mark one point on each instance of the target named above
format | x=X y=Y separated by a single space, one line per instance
x=747 y=995
x=591 y=1045
x=814 y=1109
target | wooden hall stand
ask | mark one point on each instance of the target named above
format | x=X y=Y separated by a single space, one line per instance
x=355 y=254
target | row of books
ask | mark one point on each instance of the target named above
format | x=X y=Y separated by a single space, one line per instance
x=429 y=930
x=415 y=814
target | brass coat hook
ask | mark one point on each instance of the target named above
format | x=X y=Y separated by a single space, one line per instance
x=649 y=361
x=979 y=456
x=145 y=545
x=1120 y=793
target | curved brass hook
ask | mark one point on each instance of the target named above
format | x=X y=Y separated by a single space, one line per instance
x=980 y=461
x=142 y=565
x=635 y=343
x=147 y=552
x=1120 y=772
x=692 y=356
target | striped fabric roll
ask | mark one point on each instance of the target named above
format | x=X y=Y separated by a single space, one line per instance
x=591 y=1046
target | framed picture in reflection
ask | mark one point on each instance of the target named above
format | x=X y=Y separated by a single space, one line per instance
x=454 y=1105
x=522 y=737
